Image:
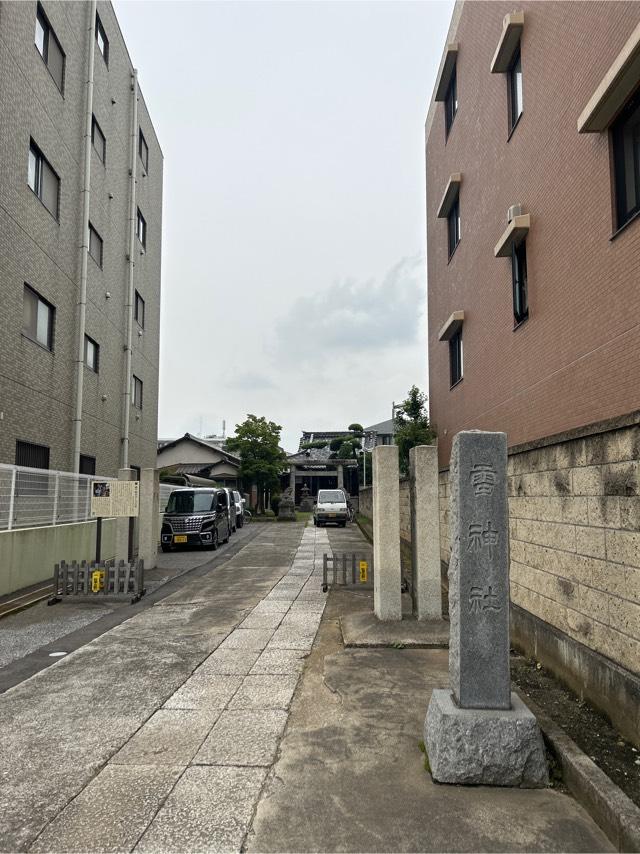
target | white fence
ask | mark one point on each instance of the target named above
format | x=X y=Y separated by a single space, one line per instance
x=34 y=498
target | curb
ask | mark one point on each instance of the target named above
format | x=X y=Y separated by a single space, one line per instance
x=614 y=812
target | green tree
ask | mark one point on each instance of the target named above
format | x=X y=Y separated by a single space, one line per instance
x=412 y=426
x=257 y=442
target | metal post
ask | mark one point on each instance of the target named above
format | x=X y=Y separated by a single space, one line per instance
x=98 y=538
x=56 y=490
x=12 y=497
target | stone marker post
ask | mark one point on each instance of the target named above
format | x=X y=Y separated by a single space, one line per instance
x=148 y=520
x=123 y=523
x=425 y=531
x=479 y=732
x=387 y=574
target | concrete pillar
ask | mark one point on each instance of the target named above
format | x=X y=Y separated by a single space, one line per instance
x=340 y=476
x=122 y=523
x=425 y=532
x=148 y=520
x=386 y=533
x=292 y=478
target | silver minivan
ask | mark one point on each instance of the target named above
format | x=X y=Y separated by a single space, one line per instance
x=196 y=517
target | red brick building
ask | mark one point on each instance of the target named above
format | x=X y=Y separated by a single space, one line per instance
x=543 y=110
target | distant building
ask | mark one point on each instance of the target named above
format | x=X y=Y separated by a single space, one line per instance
x=80 y=243
x=202 y=457
x=379 y=434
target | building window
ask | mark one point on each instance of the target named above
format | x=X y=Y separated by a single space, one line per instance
x=102 y=40
x=139 y=310
x=137 y=392
x=91 y=354
x=514 y=84
x=49 y=48
x=37 y=318
x=141 y=229
x=455 y=357
x=32 y=456
x=95 y=246
x=43 y=180
x=519 y=278
x=87 y=464
x=451 y=102
x=143 y=150
x=98 y=139
x=453 y=226
x=625 y=135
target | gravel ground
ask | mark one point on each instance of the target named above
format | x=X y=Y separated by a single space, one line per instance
x=590 y=730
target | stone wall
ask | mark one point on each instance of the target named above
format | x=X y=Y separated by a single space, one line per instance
x=574 y=509
x=366 y=501
x=366 y=507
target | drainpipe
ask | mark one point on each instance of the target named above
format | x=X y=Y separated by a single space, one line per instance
x=81 y=305
x=129 y=304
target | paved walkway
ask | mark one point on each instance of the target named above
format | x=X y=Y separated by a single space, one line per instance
x=158 y=734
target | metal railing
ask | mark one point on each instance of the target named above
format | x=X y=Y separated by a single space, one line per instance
x=35 y=498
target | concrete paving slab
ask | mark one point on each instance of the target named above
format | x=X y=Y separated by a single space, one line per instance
x=230 y=662
x=209 y=810
x=292 y=638
x=280 y=662
x=248 y=639
x=243 y=737
x=272 y=606
x=365 y=629
x=262 y=620
x=170 y=737
x=204 y=691
x=265 y=692
x=112 y=812
x=307 y=607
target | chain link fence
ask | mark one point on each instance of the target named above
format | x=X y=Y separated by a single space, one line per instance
x=34 y=498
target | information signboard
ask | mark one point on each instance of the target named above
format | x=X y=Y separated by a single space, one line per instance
x=115 y=498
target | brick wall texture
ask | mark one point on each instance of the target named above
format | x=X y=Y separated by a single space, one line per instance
x=576 y=359
x=36 y=385
x=574 y=515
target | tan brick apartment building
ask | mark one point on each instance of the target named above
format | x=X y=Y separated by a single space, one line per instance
x=80 y=243
x=533 y=230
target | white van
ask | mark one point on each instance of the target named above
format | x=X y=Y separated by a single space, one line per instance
x=331 y=506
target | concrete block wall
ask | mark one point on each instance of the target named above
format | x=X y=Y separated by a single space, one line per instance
x=366 y=507
x=574 y=515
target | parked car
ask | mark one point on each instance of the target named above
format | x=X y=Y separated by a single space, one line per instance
x=239 y=503
x=331 y=506
x=196 y=517
x=233 y=515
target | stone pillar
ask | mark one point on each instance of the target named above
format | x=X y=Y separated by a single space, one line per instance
x=425 y=532
x=122 y=523
x=292 y=478
x=148 y=520
x=479 y=732
x=340 y=476
x=386 y=533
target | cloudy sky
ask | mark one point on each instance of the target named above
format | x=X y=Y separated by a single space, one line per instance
x=294 y=246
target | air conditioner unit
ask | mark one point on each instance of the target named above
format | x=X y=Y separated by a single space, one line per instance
x=514 y=211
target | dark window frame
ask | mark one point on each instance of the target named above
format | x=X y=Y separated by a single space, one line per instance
x=41 y=162
x=99 y=29
x=455 y=358
x=139 y=301
x=624 y=213
x=32 y=335
x=140 y=220
x=89 y=340
x=96 y=126
x=451 y=102
x=25 y=450
x=454 y=227
x=512 y=90
x=519 y=283
x=143 y=147
x=94 y=231
x=87 y=462
x=137 y=398
x=48 y=32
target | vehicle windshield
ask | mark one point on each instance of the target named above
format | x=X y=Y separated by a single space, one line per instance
x=331 y=496
x=184 y=501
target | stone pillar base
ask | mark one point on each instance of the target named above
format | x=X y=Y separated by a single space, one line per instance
x=484 y=746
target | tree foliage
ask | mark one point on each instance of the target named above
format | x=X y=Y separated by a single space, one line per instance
x=412 y=426
x=317 y=443
x=257 y=442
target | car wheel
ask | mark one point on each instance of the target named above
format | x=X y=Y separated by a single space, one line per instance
x=214 y=539
x=228 y=535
